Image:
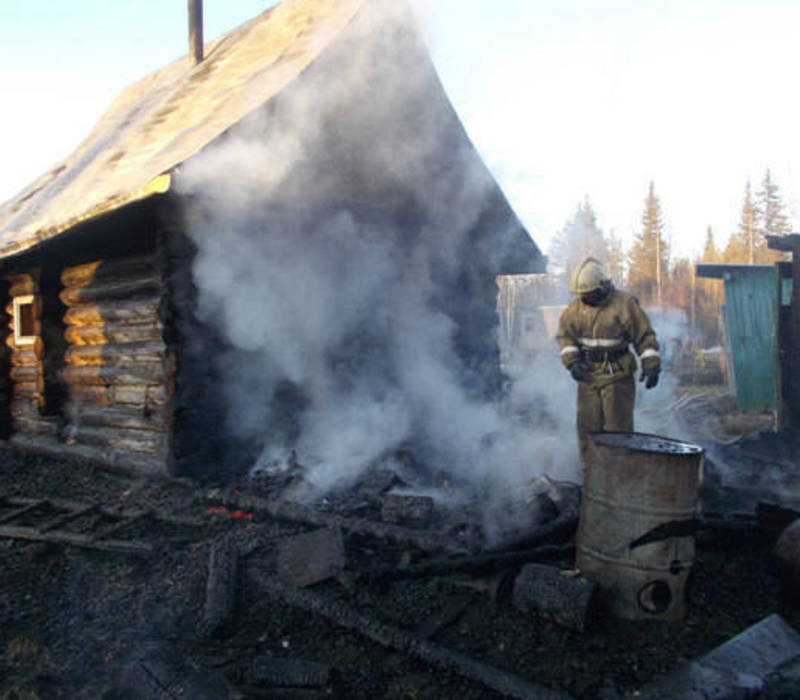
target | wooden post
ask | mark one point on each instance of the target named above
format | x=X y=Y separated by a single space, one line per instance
x=791 y=243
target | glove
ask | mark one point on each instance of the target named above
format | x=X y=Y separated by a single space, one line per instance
x=580 y=371
x=649 y=377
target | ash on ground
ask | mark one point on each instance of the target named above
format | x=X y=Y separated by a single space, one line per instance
x=80 y=622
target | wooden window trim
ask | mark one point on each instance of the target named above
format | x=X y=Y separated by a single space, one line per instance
x=20 y=301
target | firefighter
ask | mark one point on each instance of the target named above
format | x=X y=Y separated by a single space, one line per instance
x=595 y=333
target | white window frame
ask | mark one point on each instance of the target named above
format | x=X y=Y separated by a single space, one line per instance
x=20 y=339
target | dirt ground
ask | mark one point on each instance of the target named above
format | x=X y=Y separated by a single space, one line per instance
x=78 y=623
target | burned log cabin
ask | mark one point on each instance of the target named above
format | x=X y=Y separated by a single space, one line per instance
x=112 y=352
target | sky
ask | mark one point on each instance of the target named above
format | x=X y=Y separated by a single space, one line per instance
x=566 y=101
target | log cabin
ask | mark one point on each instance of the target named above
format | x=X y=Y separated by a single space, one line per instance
x=104 y=356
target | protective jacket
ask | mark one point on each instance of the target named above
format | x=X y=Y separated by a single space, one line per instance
x=601 y=335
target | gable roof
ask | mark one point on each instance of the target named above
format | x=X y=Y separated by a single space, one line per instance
x=168 y=116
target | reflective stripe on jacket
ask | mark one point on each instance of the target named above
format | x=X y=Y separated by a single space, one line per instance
x=606 y=330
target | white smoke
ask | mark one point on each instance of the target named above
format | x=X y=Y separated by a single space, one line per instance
x=344 y=306
x=654 y=407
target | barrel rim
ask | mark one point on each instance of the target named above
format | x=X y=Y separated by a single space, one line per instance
x=607 y=439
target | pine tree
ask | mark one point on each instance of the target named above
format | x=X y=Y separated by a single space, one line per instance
x=678 y=290
x=741 y=246
x=708 y=296
x=710 y=253
x=648 y=259
x=615 y=262
x=762 y=216
x=772 y=221
x=579 y=239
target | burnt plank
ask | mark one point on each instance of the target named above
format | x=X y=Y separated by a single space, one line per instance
x=311 y=557
x=550 y=593
x=107 y=289
x=112 y=268
x=102 y=334
x=66 y=518
x=425 y=540
x=22 y=510
x=220 y=600
x=75 y=539
x=133 y=311
x=128 y=354
x=104 y=375
x=439 y=656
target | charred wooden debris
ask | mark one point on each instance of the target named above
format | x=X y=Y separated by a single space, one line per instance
x=335 y=558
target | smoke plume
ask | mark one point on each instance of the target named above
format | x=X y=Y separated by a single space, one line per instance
x=332 y=228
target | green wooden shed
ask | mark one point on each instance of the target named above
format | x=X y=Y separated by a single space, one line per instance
x=750 y=321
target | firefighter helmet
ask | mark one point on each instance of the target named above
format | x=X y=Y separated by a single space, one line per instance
x=587 y=277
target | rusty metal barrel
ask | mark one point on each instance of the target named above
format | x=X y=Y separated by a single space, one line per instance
x=639 y=512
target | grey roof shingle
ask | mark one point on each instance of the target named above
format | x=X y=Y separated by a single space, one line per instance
x=168 y=116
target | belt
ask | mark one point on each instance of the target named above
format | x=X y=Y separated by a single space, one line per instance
x=603 y=355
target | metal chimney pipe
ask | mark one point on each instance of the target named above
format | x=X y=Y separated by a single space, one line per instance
x=196 y=30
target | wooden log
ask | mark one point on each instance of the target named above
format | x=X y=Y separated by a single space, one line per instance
x=65 y=518
x=552 y=594
x=21 y=509
x=139 y=396
x=75 y=539
x=27 y=390
x=36 y=347
x=133 y=311
x=35 y=427
x=157 y=396
x=23 y=407
x=425 y=540
x=24 y=355
x=106 y=290
x=119 y=417
x=152 y=351
x=449 y=660
x=22 y=285
x=121 y=440
x=66 y=504
x=20 y=374
x=477 y=564
x=113 y=268
x=90 y=395
x=121 y=523
x=113 y=333
x=220 y=601
x=127 y=462
x=111 y=375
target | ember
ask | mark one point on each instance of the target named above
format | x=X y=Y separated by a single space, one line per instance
x=237 y=514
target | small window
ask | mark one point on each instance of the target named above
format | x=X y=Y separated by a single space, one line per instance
x=24 y=320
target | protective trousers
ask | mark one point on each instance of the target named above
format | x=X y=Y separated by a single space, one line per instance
x=606 y=406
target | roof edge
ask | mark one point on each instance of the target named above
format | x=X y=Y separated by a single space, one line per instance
x=158 y=185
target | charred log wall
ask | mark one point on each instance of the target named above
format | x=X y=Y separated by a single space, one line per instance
x=25 y=391
x=200 y=443
x=90 y=373
x=115 y=369
x=6 y=387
